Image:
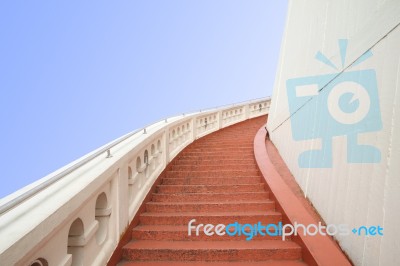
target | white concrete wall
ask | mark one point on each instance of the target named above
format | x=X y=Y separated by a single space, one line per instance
x=79 y=219
x=346 y=193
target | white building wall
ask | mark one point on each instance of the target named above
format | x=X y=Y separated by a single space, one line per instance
x=346 y=193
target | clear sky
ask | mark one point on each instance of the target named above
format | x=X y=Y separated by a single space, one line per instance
x=75 y=75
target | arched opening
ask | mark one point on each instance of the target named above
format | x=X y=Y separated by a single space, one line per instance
x=152 y=153
x=129 y=172
x=146 y=157
x=102 y=215
x=159 y=151
x=185 y=131
x=158 y=145
x=39 y=262
x=75 y=248
x=138 y=164
x=139 y=170
x=130 y=182
x=146 y=162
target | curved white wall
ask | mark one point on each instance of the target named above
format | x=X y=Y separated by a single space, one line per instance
x=345 y=193
x=79 y=219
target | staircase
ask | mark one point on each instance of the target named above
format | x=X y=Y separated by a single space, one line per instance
x=214 y=180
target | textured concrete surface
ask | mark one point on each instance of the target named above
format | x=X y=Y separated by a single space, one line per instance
x=214 y=180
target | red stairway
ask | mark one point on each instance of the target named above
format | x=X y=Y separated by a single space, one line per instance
x=214 y=180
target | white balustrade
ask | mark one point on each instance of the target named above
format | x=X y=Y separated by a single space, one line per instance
x=79 y=218
x=258 y=108
x=233 y=115
x=206 y=124
x=179 y=137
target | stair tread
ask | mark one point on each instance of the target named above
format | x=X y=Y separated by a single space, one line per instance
x=207 y=245
x=211 y=181
x=218 y=193
x=208 y=202
x=216 y=170
x=214 y=263
x=210 y=197
x=212 y=177
x=161 y=228
x=210 y=185
x=151 y=227
x=241 y=213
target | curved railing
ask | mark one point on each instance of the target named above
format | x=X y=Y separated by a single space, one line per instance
x=76 y=215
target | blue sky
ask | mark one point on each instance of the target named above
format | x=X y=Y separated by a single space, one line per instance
x=75 y=75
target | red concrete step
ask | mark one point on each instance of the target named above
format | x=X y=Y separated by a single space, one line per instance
x=214 y=162
x=212 y=173
x=226 y=137
x=235 y=167
x=212 y=180
x=180 y=233
x=216 y=153
x=209 y=188
x=214 y=263
x=234 y=132
x=182 y=218
x=220 y=156
x=209 y=206
x=219 y=144
x=217 y=149
x=212 y=250
x=210 y=197
x=220 y=149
